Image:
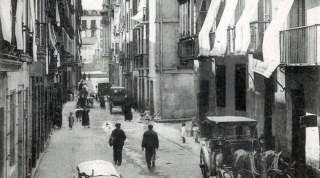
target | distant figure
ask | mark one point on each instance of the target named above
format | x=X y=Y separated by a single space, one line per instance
x=102 y=102
x=116 y=140
x=150 y=142
x=183 y=132
x=89 y=76
x=71 y=120
x=58 y=117
x=85 y=118
x=195 y=120
x=195 y=130
x=83 y=97
x=80 y=85
x=127 y=109
x=84 y=76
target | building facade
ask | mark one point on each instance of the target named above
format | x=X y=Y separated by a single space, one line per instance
x=92 y=43
x=39 y=60
x=147 y=60
x=258 y=59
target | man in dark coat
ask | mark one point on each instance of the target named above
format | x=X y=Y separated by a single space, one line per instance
x=85 y=118
x=127 y=109
x=150 y=143
x=116 y=140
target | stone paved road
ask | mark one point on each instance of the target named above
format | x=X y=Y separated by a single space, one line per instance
x=68 y=148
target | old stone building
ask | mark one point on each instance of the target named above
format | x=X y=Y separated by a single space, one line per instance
x=146 y=57
x=39 y=60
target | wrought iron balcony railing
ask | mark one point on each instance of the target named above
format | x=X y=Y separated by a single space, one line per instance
x=300 y=46
x=257 y=31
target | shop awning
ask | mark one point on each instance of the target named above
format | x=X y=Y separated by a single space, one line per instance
x=204 y=41
x=270 y=45
x=18 y=25
x=243 y=35
x=139 y=16
x=33 y=29
x=57 y=14
x=6 y=20
x=53 y=41
x=220 y=42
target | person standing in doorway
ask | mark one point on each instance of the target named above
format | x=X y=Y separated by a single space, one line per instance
x=150 y=143
x=116 y=140
x=71 y=120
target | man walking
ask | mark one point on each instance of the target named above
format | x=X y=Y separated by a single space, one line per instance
x=150 y=142
x=116 y=140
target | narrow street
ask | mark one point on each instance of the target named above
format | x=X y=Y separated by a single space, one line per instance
x=68 y=148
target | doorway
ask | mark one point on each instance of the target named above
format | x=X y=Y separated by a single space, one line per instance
x=298 y=134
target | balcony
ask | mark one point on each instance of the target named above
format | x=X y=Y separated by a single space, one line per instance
x=189 y=48
x=145 y=19
x=300 y=46
x=141 y=61
x=231 y=33
x=257 y=29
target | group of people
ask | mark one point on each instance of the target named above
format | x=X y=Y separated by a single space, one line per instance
x=81 y=112
x=82 y=115
x=150 y=144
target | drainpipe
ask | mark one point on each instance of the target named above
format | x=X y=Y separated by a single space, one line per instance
x=161 y=53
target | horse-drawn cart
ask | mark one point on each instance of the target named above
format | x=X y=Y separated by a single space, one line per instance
x=117 y=97
x=232 y=150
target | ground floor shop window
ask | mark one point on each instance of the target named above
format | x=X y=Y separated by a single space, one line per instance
x=221 y=85
x=240 y=87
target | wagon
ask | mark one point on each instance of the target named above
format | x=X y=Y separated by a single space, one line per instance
x=224 y=136
x=117 y=97
x=97 y=168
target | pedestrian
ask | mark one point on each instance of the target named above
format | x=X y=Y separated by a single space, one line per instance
x=71 y=120
x=78 y=111
x=83 y=97
x=84 y=76
x=150 y=143
x=127 y=109
x=116 y=141
x=183 y=132
x=195 y=119
x=89 y=76
x=80 y=85
x=86 y=118
x=102 y=102
x=195 y=130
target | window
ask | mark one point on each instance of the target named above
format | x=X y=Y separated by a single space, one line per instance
x=84 y=24
x=93 y=24
x=221 y=85
x=240 y=87
x=93 y=33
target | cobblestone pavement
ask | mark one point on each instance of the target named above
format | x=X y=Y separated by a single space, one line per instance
x=68 y=148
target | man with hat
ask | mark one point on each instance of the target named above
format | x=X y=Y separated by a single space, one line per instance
x=116 y=140
x=150 y=142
